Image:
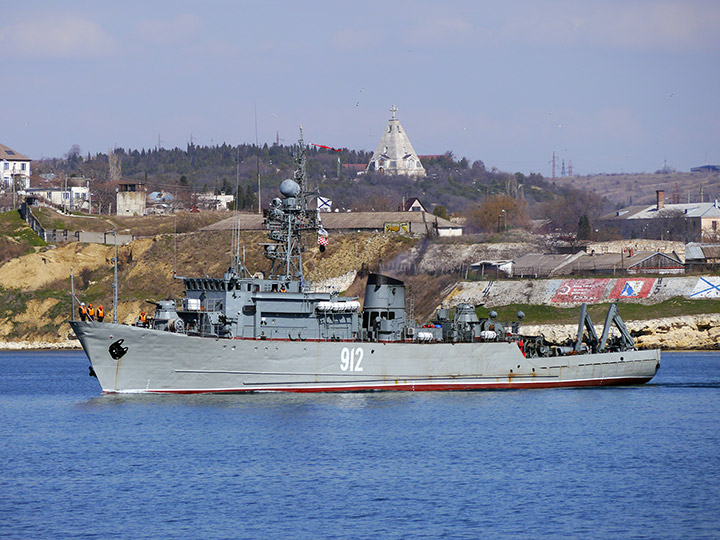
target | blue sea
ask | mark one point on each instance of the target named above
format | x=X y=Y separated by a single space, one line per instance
x=630 y=462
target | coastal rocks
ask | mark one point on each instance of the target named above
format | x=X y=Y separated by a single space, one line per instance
x=39 y=345
x=685 y=332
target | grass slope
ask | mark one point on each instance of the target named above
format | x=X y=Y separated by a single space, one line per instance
x=543 y=314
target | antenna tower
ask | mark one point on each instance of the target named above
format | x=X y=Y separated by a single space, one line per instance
x=257 y=162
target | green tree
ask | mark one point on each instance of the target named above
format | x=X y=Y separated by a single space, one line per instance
x=239 y=199
x=584 y=230
x=440 y=211
x=226 y=187
x=250 y=199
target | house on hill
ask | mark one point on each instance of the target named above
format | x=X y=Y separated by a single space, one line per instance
x=159 y=202
x=215 y=202
x=413 y=205
x=581 y=263
x=690 y=222
x=702 y=256
x=14 y=166
x=72 y=198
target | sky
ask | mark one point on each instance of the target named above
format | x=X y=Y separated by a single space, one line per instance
x=611 y=87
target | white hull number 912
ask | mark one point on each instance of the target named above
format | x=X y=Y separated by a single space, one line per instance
x=350 y=359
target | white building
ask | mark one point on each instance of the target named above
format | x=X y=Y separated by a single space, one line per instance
x=130 y=199
x=215 y=202
x=13 y=166
x=394 y=153
x=73 y=198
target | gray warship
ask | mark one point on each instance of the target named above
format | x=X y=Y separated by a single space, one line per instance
x=245 y=332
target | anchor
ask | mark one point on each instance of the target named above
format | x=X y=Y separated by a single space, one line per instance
x=116 y=350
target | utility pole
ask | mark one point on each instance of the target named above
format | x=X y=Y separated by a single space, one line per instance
x=72 y=295
x=174 y=245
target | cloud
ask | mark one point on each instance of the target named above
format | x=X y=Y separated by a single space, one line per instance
x=354 y=39
x=633 y=25
x=669 y=26
x=170 y=31
x=439 y=31
x=57 y=37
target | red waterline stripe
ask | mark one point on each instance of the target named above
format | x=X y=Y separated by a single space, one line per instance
x=428 y=387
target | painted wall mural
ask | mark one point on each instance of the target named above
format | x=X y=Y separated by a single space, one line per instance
x=577 y=291
x=632 y=288
x=706 y=287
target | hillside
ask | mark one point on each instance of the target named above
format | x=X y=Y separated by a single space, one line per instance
x=135 y=225
x=16 y=237
x=35 y=287
x=629 y=189
x=35 y=278
x=454 y=184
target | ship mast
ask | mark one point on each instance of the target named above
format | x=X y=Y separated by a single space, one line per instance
x=287 y=219
x=236 y=266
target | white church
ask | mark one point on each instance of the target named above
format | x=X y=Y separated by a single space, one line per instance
x=394 y=153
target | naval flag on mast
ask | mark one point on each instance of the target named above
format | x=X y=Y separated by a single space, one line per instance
x=323 y=204
x=322 y=235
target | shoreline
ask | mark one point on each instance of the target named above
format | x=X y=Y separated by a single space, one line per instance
x=681 y=333
x=68 y=345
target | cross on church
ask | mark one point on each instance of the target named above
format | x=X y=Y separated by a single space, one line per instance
x=393 y=110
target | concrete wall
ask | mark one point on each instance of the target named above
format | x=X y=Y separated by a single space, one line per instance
x=572 y=292
x=131 y=203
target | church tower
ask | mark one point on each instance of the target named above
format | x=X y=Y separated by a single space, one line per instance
x=394 y=153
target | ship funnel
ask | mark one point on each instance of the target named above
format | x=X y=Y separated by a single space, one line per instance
x=384 y=307
x=384 y=293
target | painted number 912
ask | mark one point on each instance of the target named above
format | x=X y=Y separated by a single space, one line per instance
x=350 y=359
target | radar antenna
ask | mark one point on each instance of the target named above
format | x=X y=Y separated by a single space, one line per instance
x=287 y=219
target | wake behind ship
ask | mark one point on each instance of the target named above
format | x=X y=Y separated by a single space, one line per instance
x=250 y=332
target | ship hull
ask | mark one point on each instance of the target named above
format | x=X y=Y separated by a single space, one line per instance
x=152 y=361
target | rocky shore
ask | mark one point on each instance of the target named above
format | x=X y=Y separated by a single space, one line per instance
x=68 y=344
x=688 y=332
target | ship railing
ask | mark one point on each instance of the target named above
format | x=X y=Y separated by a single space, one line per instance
x=195 y=304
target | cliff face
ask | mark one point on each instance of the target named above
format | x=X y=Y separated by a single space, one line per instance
x=685 y=332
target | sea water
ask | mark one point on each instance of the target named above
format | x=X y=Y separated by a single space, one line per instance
x=629 y=462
